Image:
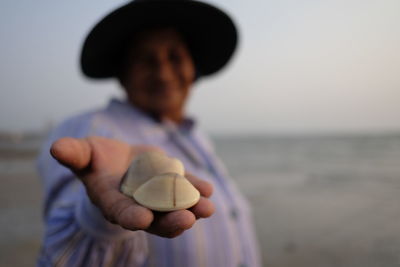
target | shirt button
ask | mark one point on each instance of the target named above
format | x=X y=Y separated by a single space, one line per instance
x=234 y=214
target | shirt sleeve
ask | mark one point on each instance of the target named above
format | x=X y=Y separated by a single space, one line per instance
x=76 y=233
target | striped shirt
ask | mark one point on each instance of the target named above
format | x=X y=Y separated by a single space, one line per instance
x=76 y=234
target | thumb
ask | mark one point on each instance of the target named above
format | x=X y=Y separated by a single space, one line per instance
x=72 y=152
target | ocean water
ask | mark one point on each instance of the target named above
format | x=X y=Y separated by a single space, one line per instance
x=321 y=201
x=317 y=201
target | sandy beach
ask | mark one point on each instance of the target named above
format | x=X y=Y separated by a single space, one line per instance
x=20 y=205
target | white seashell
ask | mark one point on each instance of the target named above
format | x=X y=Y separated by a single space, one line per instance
x=156 y=181
x=167 y=192
x=146 y=166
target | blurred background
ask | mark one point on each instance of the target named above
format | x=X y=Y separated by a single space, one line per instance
x=306 y=118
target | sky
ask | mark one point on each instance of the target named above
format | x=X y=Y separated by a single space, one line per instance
x=307 y=66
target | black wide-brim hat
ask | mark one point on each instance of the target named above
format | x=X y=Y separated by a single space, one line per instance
x=209 y=32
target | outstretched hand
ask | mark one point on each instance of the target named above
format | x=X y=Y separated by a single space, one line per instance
x=100 y=164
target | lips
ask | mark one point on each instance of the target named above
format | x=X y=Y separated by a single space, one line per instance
x=163 y=90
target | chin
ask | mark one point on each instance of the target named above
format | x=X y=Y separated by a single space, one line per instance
x=165 y=109
x=167 y=103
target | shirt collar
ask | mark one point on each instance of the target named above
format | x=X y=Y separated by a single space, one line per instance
x=125 y=108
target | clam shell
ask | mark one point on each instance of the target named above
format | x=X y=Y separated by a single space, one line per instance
x=167 y=192
x=146 y=166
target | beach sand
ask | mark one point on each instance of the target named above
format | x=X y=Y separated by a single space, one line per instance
x=20 y=205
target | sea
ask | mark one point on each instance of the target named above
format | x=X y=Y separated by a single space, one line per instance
x=318 y=200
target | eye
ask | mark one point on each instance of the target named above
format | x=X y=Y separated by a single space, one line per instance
x=145 y=59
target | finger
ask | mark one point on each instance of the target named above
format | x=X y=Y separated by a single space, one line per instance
x=205 y=188
x=124 y=211
x=72 y=152
x=172 y=223
x=203 y=209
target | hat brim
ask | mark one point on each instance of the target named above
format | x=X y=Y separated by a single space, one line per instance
x=210 y=33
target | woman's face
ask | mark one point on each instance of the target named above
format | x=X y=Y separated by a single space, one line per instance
x=158 y=73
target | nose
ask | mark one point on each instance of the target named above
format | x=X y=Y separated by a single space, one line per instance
x=164 y=69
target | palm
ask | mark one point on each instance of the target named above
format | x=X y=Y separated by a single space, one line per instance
x=110 y=157
x=101 y=163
